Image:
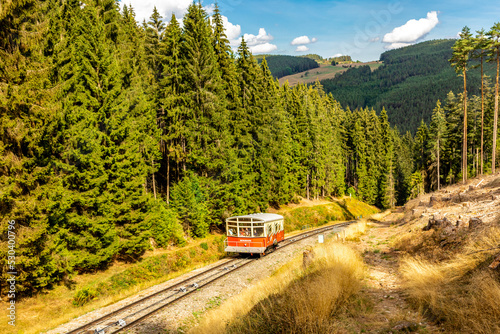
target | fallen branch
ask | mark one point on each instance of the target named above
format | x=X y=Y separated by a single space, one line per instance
x=477 y=185
x=485 y=250
x=495 y=263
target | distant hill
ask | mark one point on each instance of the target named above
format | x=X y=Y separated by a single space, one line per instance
x=281 y=65
x=313 y=56
x=341 y=59
x=408 y=84
x=325 y=71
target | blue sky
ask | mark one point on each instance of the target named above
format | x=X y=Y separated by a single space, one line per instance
x=361 y=28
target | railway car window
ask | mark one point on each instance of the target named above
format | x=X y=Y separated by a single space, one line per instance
x=269 y=229
x=231 y=230
x=258 y=231
x=245 y=232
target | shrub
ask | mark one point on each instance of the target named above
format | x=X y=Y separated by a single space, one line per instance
x=84 y=296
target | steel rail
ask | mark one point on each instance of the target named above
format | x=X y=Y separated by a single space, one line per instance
x=128 y=306
x=290 y=241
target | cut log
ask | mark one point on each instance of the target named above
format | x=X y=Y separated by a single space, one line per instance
x=495 y=263
x=436 y=223
x=307 y=257
x=474 y=222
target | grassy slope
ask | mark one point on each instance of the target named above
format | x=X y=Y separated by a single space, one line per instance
x=433 y=281
x=323 y=72
x=122 y=280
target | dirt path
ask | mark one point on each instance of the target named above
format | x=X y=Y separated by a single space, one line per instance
x=386 y=309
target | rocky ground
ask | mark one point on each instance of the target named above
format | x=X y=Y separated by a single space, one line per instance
x=387 y=310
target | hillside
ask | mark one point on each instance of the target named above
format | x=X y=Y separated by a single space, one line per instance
x=408 y=85
x=282 y=65
x=324 y=71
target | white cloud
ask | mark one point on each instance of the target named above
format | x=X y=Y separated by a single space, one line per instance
x=144 y=8
x=411 y=31
x=258 y=43
x=301 y=48
x=263 y=48
x=337 y=55
x=262 y=38
x=301 y=40
x=233 y=31
x=375 y=39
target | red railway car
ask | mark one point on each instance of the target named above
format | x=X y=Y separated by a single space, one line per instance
x=254 y=233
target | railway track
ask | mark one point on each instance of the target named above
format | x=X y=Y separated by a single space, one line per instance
x=130 y=315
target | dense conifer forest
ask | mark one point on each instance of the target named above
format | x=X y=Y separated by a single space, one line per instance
x=115 y=136
x=281 y=65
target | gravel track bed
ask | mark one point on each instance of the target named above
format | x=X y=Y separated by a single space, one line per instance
x=173 y=318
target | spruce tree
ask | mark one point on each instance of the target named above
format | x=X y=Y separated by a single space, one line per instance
x=437 y=132
x=172 y=112
x=386 y=179
x=28 y=109
x=203 y=96
x=453 y=138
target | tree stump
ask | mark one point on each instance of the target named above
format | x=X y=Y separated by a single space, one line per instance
x=307 y=257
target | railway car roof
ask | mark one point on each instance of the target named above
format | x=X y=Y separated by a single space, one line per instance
x=264 y=217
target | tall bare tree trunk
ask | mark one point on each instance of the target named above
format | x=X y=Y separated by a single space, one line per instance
x=495 y=119
x=464 y=148
x=307 y=186
x=439 y=183
x=482 y=115
x=154 y=183
x=168 y=178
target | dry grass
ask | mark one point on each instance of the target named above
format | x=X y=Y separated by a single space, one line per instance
x=292 y=300
x=462 y=293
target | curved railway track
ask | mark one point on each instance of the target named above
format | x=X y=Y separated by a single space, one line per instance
x=130 y=315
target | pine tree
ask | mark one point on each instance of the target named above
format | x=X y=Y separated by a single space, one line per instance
x=480 y=47
x=494 y=35
x=461 y=54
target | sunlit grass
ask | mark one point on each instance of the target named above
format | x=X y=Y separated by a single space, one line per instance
x=293 y=299
x=462 y=293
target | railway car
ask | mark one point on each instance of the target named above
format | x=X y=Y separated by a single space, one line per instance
x=255 y=233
